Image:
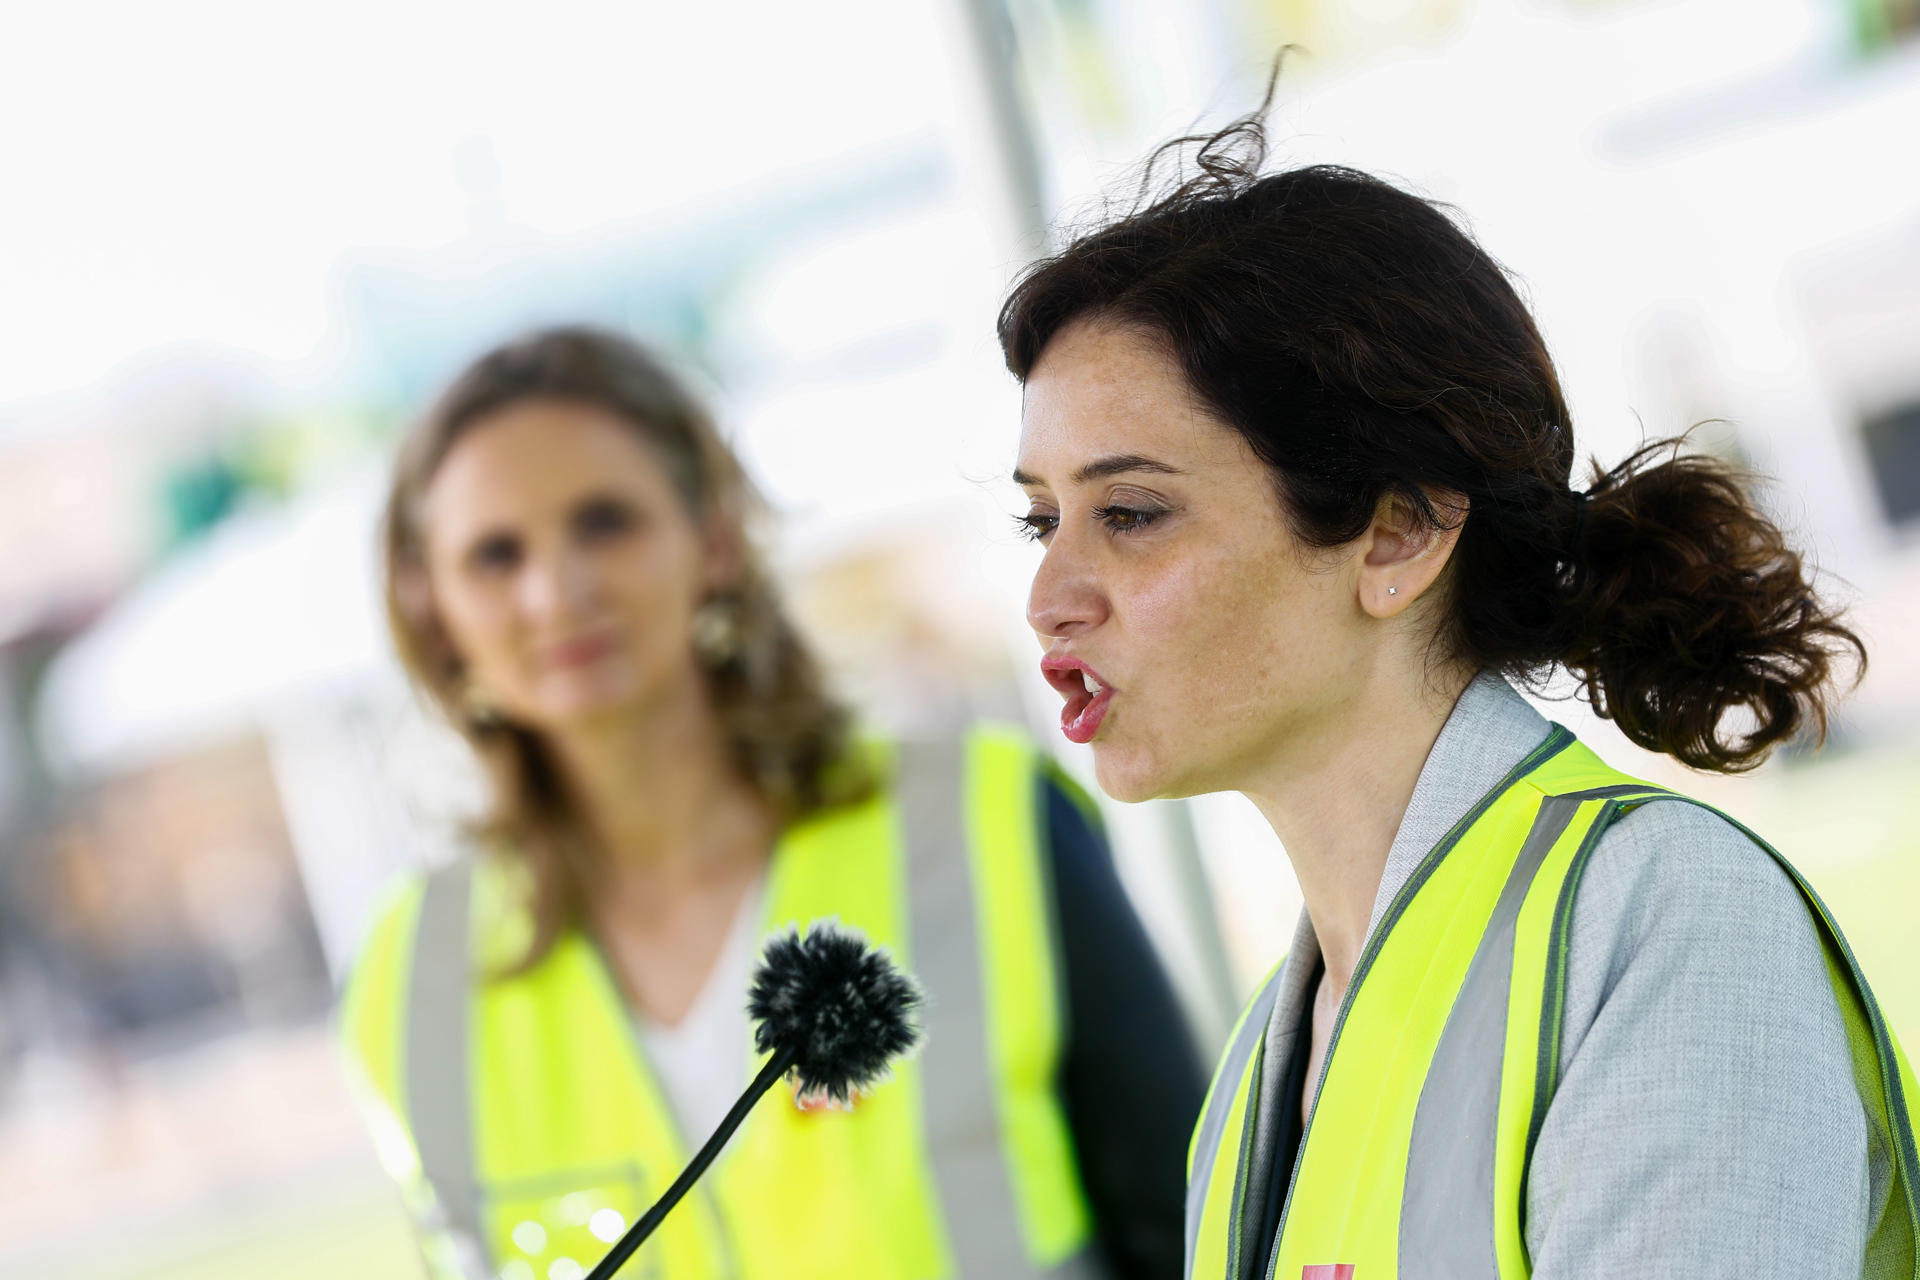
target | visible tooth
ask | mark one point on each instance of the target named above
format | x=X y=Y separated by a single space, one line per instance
x=1093 y=686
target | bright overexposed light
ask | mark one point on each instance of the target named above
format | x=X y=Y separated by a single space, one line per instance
x=195 y=178
x=273 y=602
x=529 y=1236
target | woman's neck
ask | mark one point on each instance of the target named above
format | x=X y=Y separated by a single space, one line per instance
x=1335 y=796
x=660 y=794
x=677 y=839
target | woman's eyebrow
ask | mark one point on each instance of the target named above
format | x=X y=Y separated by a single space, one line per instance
x=1101 y=468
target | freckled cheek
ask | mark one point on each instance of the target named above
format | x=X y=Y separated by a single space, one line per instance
x=1206 y=632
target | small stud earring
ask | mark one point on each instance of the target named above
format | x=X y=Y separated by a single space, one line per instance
x=716 y=632
x=1393 y=591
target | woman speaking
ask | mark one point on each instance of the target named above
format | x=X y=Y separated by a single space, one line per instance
x=1303 y=474
x=544 y=1030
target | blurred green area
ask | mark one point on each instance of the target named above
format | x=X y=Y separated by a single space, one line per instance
x=1879 y=24
x=366 y=1237
x=268 y=460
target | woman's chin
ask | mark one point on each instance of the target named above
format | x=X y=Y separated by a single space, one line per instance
x=1133 y=773
x=583 y=704
x=1127 y=775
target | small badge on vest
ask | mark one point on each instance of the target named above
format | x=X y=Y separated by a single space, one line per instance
x=811 y=1103
x=1327 y=1271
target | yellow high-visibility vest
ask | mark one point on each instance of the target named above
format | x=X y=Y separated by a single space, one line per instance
x=1445 y=1056
x=525 y=1127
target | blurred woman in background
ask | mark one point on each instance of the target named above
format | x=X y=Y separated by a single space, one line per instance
x=1301 y=466
x=545 y=1031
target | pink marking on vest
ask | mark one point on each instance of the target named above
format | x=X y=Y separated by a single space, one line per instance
x=1327 y=1271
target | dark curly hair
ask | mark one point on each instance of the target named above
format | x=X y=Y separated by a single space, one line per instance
x=1363 y=344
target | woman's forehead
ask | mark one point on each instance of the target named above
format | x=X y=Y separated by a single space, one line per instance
x=1100 y=364
x=526 y=449
x=1101 y=392
x=532 y=465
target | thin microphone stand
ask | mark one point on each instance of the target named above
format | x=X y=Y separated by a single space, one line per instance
x=778 y=1065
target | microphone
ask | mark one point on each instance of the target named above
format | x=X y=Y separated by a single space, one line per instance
x=829 y=1007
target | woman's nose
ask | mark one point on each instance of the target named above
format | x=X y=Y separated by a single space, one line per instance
x=558 y=584
x=1066 y=599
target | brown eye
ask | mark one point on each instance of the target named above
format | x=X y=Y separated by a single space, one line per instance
x=1035 y=525
x=1126 y=519
x=496 y=553
x=603 y=518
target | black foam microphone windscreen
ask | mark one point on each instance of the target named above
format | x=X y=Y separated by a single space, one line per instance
x=829 y=1007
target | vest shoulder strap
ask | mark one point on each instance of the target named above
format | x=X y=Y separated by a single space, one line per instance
x=1885 y=1078
x=1883 y=1074
x=1214 y=1190
x=983 y=928
x=437 y=1083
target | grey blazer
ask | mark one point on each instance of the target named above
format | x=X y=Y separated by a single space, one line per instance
x=1706 y=1124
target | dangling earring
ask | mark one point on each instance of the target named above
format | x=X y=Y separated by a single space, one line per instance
x=716 y=632
x=480 y=711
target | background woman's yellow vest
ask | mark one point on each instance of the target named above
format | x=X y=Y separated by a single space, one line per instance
x=1445 y=1054
x=961 y=1165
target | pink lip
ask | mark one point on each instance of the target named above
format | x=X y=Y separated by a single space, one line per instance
x=581 y=652
x=1081 y=716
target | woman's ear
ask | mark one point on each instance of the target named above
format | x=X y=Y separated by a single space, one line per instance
x=1402 y=552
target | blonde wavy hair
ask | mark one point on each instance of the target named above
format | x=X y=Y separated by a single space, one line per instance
x=786 y=735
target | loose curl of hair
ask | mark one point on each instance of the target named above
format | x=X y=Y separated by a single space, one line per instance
x=785 y=734
x=1364 y=345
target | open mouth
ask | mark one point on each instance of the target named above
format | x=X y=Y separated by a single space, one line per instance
x=1087 y=696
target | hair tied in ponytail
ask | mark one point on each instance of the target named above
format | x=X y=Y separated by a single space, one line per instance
x=1577 y=537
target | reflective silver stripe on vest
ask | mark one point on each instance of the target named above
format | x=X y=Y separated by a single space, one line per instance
x=1213 y=1124
x=1447 y=1213
x=438 y=1091
x=963 y=1123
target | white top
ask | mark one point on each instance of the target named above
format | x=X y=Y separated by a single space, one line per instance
x=701 y=1061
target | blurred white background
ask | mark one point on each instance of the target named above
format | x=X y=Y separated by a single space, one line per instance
x=241 y=245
